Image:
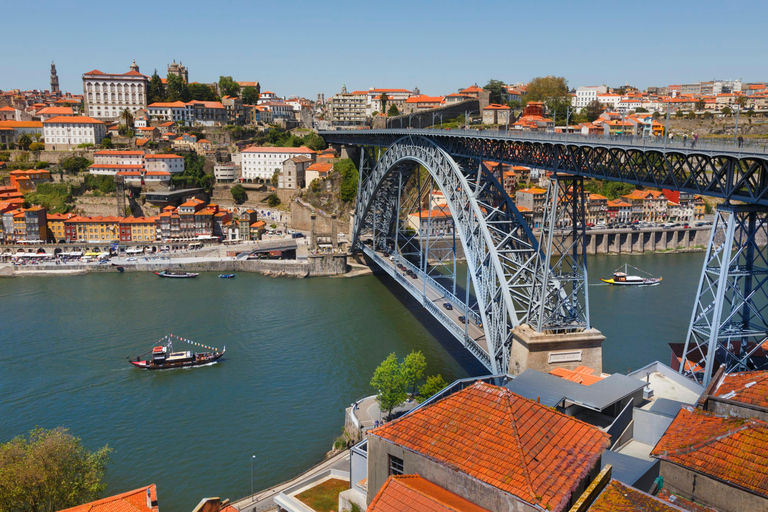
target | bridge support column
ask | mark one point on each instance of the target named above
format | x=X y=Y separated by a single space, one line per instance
x=728 y=325
x=545 y=351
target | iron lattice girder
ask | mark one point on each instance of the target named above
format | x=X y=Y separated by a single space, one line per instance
x=498 y=244
x=560 y=300
x=729 y=321
x=726 y=174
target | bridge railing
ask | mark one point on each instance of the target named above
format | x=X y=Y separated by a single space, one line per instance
x=630 y=141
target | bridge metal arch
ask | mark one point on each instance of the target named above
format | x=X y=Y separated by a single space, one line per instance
x=500 y=247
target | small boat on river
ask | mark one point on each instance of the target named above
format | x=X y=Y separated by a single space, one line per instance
x=164 y=358
x=623 y=278
x=176 y=274
x=227 y=276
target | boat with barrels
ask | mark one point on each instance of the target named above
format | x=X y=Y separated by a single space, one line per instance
x=623 y=278
x=176 y=274
x=162 y=356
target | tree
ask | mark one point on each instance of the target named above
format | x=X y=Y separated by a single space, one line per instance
x=726 y=111
x=273 y=200
x=239 y=195
x=127 y=116
x=384 y=99
x=434 y=384
x=176 y=89
x=496 y=88
x=49 y=470
x=201 y=92
x=547 y=87
x=388 y=381
x=413 y=368
x=75 y=164
x=249 y=95
x=348 y=171
x=741 y=101
x=106 y=143
x=37 y=146
x=315 y=142
x=155 y=89
x=228 y=87
x=276 y=178
x=24 y=141
x=393 y=111
x=700 y=104
x=593 y=110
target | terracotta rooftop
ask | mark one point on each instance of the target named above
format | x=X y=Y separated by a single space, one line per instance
x=733 y=450
x=683 y=503
x=406 y=493
x=262 y=149
x=131 y=501
x=745 y=387
x=504 y=440
x=617 y=497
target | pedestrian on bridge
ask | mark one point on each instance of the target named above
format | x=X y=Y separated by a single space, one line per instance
x=685 y=139
x=695 y=139
x=741 y=141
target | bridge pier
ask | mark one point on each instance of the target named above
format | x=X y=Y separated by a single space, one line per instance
x=545 y=351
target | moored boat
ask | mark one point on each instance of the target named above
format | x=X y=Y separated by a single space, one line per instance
x=227 y=276
x=623 y=278
x=176 y=274
x=164 y=358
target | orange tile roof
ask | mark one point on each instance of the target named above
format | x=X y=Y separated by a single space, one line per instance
x=733 y=450
x=581 y=375
x=73 y=120
x=745 y=387
x=163 y=156
x=495 y=106
x=617 y=497
x=131 y=501
x=683 y=503
x=162 y=104
x=619 y=203
x=597 y=197
x=109 y=152
x=425 y=99
x=406 y=493
x=527 y=449
x=21 y=124
x=533 y=190
x=263 y=149
x=56 y=111
x=320 y=167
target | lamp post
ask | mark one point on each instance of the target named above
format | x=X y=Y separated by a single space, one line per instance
x=666 y=123
x=252 y=458
x=736 y=130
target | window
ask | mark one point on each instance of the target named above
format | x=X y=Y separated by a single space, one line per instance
x=395 y=465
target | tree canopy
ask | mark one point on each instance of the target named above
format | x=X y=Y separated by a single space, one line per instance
x=228 y=87
x=593 y=110
x=75 y=164
x=543 y=88
x=194 y=174
x=176 y=89
x=392 y=379
x=496 y=88
x=348 y=171
x=156 y=89
x=49 y=470
x=393 y=111
x=434 y=384
x=201 y=92
x=384 y=99
x=250 y=95
x=24 y=141
x=239 y=195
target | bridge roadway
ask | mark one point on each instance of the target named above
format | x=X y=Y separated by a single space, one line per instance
x=709 y=168
x=433 y=297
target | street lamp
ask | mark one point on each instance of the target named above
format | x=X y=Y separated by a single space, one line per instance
x=252 y=458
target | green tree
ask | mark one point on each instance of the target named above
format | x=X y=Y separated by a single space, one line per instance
x=106 y=143
x=127 y=116
x=726 y=111
x=593 y=110
x=384 y=99
x=393 y=111
x=547 y=87
x=496 y=88
x=275 y=178
x=201 y=92
x=49 y=470
x=24 y=141
x=433 y=385
x=348 y=171
x=228 y=87
x=176 y=89
x=700 y=104
x=741 y=101
x=249 y=95
x=37 y=146
x=239 y=195
x=75 y=164
x=155 y=89
x=389 y=384
x=273 y=200
x=314 y=141
x=413 y=368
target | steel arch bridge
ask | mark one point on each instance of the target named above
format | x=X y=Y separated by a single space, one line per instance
x=503 y=256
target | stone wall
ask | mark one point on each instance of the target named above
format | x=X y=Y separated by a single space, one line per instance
x=424 y=119
x=300 y=219
x=53 y=157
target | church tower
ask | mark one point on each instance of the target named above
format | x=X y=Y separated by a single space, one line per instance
x=54 y=80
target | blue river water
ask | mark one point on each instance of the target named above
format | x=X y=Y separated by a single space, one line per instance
x=298 y=352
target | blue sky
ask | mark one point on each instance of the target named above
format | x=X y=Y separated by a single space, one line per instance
x=302 y=47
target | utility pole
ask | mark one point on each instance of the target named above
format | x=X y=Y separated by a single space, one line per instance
x=736 y=130
x=666 y=124
x=567 y=120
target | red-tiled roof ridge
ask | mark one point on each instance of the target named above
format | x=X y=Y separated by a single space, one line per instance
x=118 y=503
x=746 y=387
x=451 y=429
x=405 y=493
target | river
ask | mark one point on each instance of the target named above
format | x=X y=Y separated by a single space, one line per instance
x=298 y=352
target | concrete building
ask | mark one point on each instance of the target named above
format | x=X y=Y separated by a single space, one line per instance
x=10 y=131
x=316 y=171
x=176 y=111
x=68 y=132
x=50 y=112
x=36 y=223
x=262 y=162
x=208 y=113
x=293 y=175
x=137 y=229
x=718 y=461
x=533 y=199
x=422 y=102
x=173 y=164
x=436 y=222
x=496 y=114
x=395 y=97
x=347 y=109
x=107 y=95
x=225 y=172
x=586 y=94
x=491 y=446
x=234 y=107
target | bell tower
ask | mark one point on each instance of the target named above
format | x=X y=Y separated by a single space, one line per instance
x=54 y=80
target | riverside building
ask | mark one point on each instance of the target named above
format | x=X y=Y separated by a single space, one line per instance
x=262 y=162
x=107 y=95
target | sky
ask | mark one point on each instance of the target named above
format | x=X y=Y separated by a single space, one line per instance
x=303 y=48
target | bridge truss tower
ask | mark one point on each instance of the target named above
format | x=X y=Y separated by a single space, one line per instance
x=728 y=326
x=560 y=297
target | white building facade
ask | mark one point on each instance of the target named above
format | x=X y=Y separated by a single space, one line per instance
x=107 y=95
x=586 y=94
x=177 y=111
x=173 y=164
x=262 y=162
x=67 y=132
x=109 y=162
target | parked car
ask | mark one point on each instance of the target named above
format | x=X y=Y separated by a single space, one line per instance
x=462 y=319
x=448 y=306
